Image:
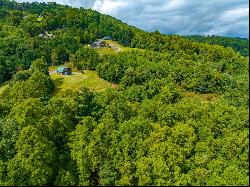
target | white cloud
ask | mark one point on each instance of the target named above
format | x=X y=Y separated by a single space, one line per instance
x=235 y=14
x=109 y=6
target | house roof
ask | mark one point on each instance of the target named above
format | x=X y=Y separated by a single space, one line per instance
x=49 y=35
x=98 y=42
x=107 y=38
x=61 y=69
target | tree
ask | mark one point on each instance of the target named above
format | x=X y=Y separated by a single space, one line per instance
x=32 y=165
x=9 y=131
x=87 y=58
x=84 y=102
x=28 y=112
x=39 y=85
x=79 y=141
x=59 y=56
x=2 y=73
x=40 y=65
x=21 y=76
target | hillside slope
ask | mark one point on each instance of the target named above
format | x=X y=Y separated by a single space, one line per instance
x=72 y=28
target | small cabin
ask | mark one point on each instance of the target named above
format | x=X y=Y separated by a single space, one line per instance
x=64 y=71
x=99 y=44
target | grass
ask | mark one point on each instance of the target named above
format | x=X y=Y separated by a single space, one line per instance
x=104 y=50
x=89 y=79
x=52 y=68
x=119 y=45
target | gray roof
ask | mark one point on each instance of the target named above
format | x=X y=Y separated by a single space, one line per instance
x=46 y=35
x=99 y=42
x=107 y=38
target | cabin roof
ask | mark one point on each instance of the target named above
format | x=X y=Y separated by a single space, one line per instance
x=98 y=42
x=61 y=69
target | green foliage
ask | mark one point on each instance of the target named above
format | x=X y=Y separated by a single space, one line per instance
x=84 y=102
x=65 y=178
x=239 y=44
x=38 y=85
x=21 y=76
x=60 y=119
x=32 y=163
x=40 y=65
x=59 y=56
x=86 y=59
x=27 y=112
x=179 y=115
x=9 y=131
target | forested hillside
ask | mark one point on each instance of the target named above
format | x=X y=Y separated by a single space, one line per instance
x=179 y=115
x=239 y=44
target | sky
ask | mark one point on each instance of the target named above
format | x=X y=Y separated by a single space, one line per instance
x=185 y=17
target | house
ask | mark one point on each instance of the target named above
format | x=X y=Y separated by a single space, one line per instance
x=107 y=38
x=99 y=44
x=46 y=35
x=63 y=70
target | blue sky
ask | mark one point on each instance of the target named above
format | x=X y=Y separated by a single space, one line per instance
x=185 y=17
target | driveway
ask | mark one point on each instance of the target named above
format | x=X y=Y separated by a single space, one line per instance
x=115 y=48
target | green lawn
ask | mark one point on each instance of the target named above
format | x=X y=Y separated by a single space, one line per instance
x=74 y=82
x=104 y=50
x=53 y=68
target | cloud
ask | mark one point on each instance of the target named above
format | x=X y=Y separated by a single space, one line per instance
x=109 y=6
x=185 y=17
x=235 y=14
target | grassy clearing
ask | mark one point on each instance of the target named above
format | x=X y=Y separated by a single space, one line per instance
x=53 y=68
x=115 y=43
x=104 y=50
x=204 y=98
x=95 y=83
x=89 y=79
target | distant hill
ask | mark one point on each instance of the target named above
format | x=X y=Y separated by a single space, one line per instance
x=239 y=44
x=23 y=24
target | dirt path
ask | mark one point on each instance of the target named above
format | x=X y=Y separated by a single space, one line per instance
x=52 y=72
x=115 y=48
